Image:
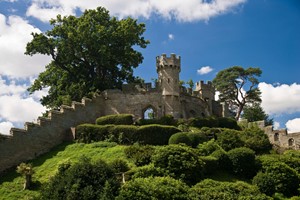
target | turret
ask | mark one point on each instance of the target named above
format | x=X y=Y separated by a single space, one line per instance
x=206 y=91
x=168 y=69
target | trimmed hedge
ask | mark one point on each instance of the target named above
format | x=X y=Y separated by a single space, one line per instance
x=88 y=133
x=155 y=134
x=125 y=134
x=221 y=122
x=121 y=119
x=164 y=120
x=180 y=137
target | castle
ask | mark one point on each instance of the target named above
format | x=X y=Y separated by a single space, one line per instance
x=166 y=98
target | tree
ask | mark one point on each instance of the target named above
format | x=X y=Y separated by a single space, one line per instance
x=27 y=171
x=255 y=112
x=237 y=87
x=89 y=53
x=190 y=83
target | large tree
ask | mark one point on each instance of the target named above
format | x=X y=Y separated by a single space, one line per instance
x=254 y=112
x=237 y=87
x=89 y=53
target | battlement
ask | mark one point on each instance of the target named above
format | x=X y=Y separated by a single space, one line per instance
x=164 y=61
x=201 y=85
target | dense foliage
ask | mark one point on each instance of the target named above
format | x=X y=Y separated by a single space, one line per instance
x=154 y=188
x=180 y=162
x=121 y=119
x=255 y=112
x=237 y=87
x=89 y=53
x=82 y=180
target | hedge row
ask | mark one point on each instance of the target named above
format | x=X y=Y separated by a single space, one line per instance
x=222 y=122
x=126 y=134
x=121 y=119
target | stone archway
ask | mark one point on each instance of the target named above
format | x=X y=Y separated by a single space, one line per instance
x=291 y=142
x=149 y=112
x=276 y=137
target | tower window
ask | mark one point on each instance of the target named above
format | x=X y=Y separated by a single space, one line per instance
x=168 y=80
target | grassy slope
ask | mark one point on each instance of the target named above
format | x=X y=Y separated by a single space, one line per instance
x=11 y=183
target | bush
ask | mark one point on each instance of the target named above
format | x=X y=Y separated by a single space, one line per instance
x=88 y=133
x=226 y=122
x=210 y=189
x=203 y=122
x=210 y=164
x=229 y=139
x=152 y=188
x=208 y=148
x=140 y=154
x=164 y=120
x=243 y=161
x=119 y=165
x=180 y=137
x=146 y=171
x=83 y=180
x=223 y=161
x=155 y=134
x=277 y=177
x=256 y=140
x=120 y=119
x=180 y=162
x=197 y=138
x=123 y=134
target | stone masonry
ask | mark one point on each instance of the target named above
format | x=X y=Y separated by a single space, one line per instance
x=166 y=98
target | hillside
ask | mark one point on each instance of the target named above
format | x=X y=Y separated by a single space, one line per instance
x=205 y=161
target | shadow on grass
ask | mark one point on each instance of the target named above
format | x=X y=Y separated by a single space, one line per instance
x=11 y=173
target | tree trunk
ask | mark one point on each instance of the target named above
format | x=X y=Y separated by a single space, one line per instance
x=27 y=183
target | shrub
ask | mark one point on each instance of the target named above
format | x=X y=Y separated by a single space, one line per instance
x=88 y=133
x=146 y=171
x=155 y=134
x=210 y=164
x=164 y=120
x=223 y=161
x=140 y=154
x=277 y=177
x=119 y=165
x=256 y=140
x=209 y=189
x=180 y=162
x=152 y=188
x=120 y=119
x=123 y=134
x=229 y=139
x=208 y=148
x=83 y=180
x=197 y=138
x=203 y=122
x=226 y=122
x=180 y=137
x=243 y=161
x=291 y=158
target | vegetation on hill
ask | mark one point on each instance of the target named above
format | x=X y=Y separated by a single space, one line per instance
x=200 y=163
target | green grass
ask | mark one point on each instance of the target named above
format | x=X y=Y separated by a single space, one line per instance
x=11 y=184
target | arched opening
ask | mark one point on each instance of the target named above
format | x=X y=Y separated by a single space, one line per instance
x=291 y=142
x=149 y=113
x=276 y=137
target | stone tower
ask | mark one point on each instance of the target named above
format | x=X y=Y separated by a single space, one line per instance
x=168 y=69
x=206 y=92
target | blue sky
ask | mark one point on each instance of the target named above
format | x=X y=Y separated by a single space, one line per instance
x=209 y=36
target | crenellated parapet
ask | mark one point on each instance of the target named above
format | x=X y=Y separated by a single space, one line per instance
x=38 y=138
x=168 y=62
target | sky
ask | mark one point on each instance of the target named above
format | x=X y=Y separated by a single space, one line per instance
x=209 y=35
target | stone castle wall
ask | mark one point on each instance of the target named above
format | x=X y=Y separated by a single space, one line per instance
x=167 y=98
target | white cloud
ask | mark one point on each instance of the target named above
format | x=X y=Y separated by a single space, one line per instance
x=184 y=11
x=15 y=33
x=281 y=99
x=293 y=125
x=204 y=70
x=276 y=125
x=5 y=127
x=171 y=37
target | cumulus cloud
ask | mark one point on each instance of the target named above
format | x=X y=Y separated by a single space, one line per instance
x=5 y=127
x=184 y=11
x=280 y=99
x=204 y=70
x=276 y=125
x=15 y=33
x=293 y=125
x=171 y=37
